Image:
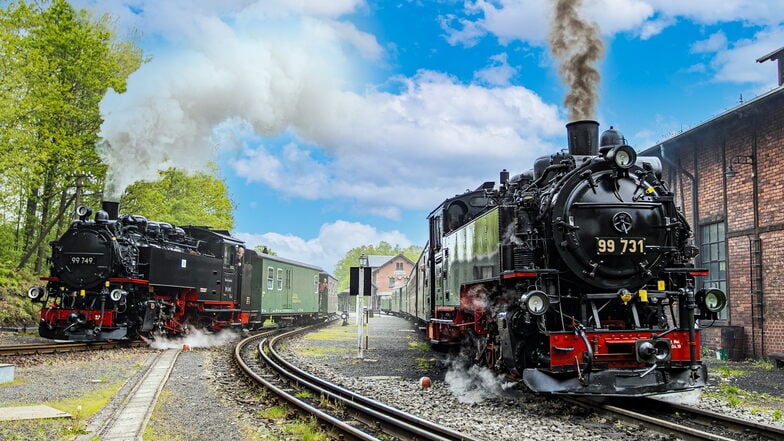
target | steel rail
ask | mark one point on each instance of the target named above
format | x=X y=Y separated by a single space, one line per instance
x=377 y=416
x=56 y=348
x=658 y=415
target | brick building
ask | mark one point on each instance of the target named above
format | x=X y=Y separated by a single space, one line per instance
x=728 y=174
x=388 y=273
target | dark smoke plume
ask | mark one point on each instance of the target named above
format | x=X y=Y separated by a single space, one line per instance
x=576 y=44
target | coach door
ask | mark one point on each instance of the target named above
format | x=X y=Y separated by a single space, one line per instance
x=283 y=284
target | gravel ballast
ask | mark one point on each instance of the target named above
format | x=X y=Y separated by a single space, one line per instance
x=481 y=404
x=206 y=398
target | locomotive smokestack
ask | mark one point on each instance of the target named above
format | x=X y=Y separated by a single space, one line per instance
x=111 y=208
x=583 y=137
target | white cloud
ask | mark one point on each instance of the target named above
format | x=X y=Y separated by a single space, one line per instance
x=528 y=20
x=406 y=150
x=732 y=61
x=737 y=63
x=498 y=73
x=242 y=61
x=714 y=43
x=332 y=243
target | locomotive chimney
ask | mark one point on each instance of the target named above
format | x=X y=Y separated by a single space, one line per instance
x=111 y=208
x=583 y=137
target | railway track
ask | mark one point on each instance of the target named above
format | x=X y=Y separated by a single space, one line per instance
x=56 y=348
x=682 y=421
x=352 y=416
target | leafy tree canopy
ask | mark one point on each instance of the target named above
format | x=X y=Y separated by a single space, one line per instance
x=263 y=249
x=56 y=65
x=382 y=249
x=181 y=199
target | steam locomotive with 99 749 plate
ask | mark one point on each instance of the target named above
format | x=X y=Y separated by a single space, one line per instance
x=121 y=277
x=576 y=277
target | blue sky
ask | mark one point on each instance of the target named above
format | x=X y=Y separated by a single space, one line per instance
x=345 y=122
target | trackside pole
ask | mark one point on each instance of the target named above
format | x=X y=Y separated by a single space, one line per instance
x=360 y=319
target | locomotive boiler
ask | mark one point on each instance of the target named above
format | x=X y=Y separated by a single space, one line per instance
x=120 y=277
x=577 y=276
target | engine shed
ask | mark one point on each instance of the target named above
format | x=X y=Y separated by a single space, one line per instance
x=726 y=173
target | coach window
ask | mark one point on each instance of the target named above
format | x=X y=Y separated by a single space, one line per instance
x=280 y=279
x=712 y=252
x=315 y=284
x=270 y=277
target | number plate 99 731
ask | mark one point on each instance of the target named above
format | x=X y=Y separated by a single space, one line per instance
x=620 y=245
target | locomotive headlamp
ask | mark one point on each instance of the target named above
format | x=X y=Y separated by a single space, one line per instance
x=83 y=212
x=622 y=156
x=117 y=294
x=35 y=293
x=536 y=302
x=653 y=351
x=712 y=300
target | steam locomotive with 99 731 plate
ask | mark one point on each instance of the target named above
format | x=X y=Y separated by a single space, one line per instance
x=576 y=277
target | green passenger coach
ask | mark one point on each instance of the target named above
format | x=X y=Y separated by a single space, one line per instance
x=285 y=291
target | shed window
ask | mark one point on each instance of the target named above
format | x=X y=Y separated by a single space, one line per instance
x=391 y=282
x=712 y=252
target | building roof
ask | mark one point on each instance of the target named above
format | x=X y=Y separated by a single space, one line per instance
x=775 y=55
x=378 y=261
x=738 y=112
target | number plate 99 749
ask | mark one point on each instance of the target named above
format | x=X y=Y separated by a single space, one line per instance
x=620 y=245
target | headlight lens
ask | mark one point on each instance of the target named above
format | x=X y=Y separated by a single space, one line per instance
x=653 y=351
x=624 y=156
x=535 y=302
x=117 y=294
x=714 y=300
x=35 y=292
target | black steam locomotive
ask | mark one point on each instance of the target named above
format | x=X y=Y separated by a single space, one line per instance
x=576 y=277
x=123 y=277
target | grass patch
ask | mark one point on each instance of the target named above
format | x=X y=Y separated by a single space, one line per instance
x=306 y=431
x=159 y=427
x=425 y=362
x=755 y=402
x=419 y=345
x=764 y=364
x=323 y=351
x=303 y=394
x=334 y=333
x=728 y=372
x=89 y=403
x=14 y=382
x=274 y=413
x=35 y=430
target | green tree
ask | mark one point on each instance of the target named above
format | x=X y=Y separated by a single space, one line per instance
x=263 y=249
x=382 y=249
x=182 y=199
x=56 y=66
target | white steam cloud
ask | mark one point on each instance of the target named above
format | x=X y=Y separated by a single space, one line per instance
x=196 y=338
x=476 y=383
